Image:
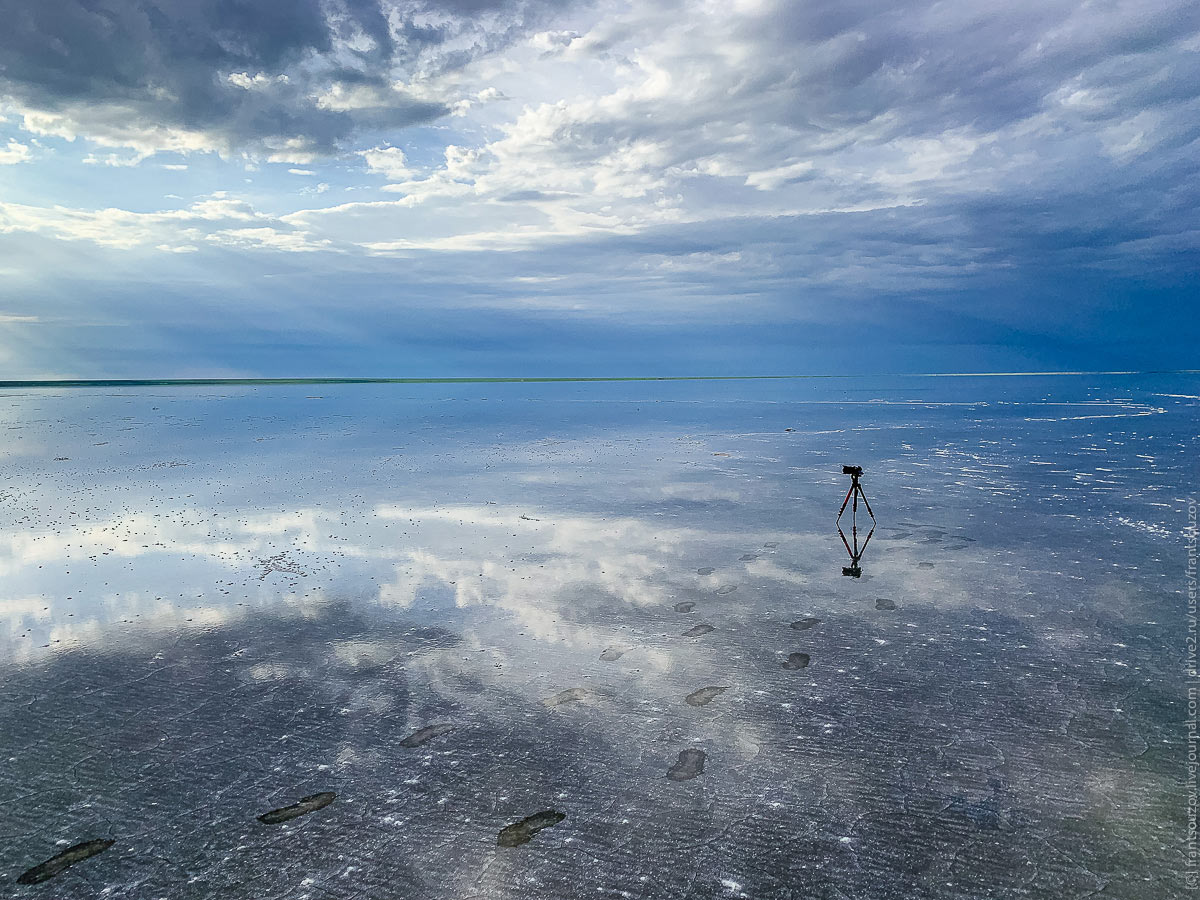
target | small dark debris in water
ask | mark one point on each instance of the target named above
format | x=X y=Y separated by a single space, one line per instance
x=885 y=603
x=924 y=565
x=720 y=454
x=704 y=696
x=611 y=654
x=570 y=695
x=57 y=863
x=529 y=518
x=748 y=557
x=698 y=630
x=706 y=570
x=520 y=832
x=727 y=589
x=61 y=458
x=689 y=765
x=796 y=661
x=308 y=804
x=426 y=734
x=685 y=606
x=806 y=623
x=789 y=429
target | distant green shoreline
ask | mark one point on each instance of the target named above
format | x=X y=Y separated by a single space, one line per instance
x=219 y=382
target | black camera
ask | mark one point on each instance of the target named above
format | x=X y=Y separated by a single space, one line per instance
x=851 y=470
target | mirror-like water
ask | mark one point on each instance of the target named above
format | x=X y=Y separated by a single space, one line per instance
x=595 y=640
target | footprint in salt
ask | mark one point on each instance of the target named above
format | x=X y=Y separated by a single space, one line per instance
x=689 y=765
x=704 y=696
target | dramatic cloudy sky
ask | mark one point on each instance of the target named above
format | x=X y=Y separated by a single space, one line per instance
x=527 y=187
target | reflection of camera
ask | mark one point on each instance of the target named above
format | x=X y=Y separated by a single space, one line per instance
x=851 y=470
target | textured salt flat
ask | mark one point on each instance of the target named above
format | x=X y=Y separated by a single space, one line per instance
x=460 y=607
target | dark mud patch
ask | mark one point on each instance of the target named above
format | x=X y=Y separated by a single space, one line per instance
x=61 y=861
x=885 y=603
x=308 y=804
x=698 y=630
x=705 y=570
x=727 y=589
x=519 y=833
x=689 y=765
x=685 y=606
x=770 y=545
x=806 y=623
x=426 y=734
x=796 y=661
x=704 y=696
x=924 y=565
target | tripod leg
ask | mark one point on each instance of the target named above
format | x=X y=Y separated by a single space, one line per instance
x=846 y=543
x=844 y=502
x=868 y=505
x=867 y=541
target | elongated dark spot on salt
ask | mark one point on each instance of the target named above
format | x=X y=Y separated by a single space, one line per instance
x=308 y=804
x=770 y=545
x=426 y=734
x=685 y=606
x=61 y=861
x=570 y=695
x=706 y=570
x=748 y=557
x=924 y=565
x=806 y=623
x=885 y=603
x=698 y=630
x=689 y=765
x=796 y=661
x=520 y=832
x=704 y=696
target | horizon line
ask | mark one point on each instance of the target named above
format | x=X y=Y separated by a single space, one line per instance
x=249 y=381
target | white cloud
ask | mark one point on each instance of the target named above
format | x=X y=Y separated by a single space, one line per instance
x=219 y=220
x=389 y=162
x=258 y=81
x=14 y=153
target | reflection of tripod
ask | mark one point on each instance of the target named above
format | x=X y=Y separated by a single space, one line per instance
x=856 y=491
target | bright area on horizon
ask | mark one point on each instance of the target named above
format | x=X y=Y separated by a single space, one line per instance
x=472 y=188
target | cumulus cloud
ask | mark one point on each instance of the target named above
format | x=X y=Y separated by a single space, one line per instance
x=679 y=113
x=268 y=76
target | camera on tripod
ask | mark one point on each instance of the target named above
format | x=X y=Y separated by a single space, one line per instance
x=854 y=570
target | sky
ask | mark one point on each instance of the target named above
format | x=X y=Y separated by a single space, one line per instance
x=411 y=188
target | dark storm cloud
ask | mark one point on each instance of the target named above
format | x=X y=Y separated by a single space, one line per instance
x=930 y=66
x=114 y=68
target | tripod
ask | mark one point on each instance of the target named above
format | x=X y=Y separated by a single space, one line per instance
x=856 y=491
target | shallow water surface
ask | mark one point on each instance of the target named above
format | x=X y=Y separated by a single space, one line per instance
x=606 y=622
